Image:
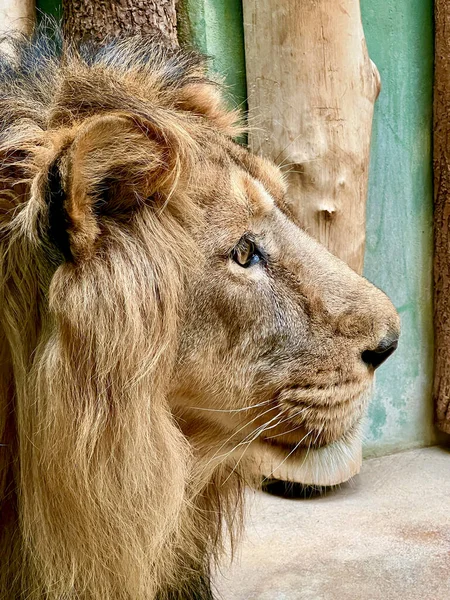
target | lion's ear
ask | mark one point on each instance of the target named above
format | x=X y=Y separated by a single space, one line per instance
x=110 y=165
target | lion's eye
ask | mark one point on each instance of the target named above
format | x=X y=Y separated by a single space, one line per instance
x=246 y=253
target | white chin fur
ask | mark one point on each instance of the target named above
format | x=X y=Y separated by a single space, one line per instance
x=329 y=465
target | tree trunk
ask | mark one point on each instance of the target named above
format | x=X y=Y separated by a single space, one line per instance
x=17 y=15
x=101 y=18
x=311 y=90
x=441 y=163
x=311 y=94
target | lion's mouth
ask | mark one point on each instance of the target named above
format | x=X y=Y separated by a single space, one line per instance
x=302 y=438
x=308 y=439
x=315 y=418
x=320 y=464
x=285 y=445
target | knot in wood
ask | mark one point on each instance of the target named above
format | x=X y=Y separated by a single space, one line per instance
x=327 y=212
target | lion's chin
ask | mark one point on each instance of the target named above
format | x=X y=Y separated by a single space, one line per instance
x=326 y=465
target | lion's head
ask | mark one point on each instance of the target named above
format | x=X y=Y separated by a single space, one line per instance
x=161 y=314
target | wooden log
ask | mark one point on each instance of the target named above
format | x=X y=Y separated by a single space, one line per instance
x=311 y=94
x=17 y=15
x=441 y=164
x=87 y=19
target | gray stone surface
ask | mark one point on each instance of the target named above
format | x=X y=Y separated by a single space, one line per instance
x=383 y=536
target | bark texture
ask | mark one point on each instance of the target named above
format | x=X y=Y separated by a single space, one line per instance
x=311 y=91
x=441 y=163
x=101 y=18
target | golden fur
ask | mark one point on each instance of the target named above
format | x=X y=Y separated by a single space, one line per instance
x=139 y=358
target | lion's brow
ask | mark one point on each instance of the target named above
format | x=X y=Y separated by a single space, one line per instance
x=260 y=199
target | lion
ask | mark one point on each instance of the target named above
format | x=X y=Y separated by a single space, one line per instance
x=163 y=318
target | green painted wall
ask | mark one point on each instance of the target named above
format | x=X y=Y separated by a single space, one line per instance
x=399 y=214
x=398 y=258
x=216 y=29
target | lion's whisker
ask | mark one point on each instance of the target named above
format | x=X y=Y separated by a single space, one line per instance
x=235 y=433
x=310 y=445
x=230 y=410
x=245 y=441
x=254 y=435
x=258 y=432
x=290 y=453
x=284 y=432
x=289 y=418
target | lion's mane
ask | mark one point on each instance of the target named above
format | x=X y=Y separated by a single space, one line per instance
x=99 y=495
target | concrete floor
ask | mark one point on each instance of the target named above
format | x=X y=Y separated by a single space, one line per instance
x=384 y=536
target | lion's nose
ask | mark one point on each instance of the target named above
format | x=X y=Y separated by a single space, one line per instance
x=374 y=358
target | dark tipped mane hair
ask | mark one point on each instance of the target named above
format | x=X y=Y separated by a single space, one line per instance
x=34 y=68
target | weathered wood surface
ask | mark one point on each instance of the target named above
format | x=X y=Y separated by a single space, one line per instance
x=441 y=163
x=311 y=94
x=102 y=18
x=17 y=15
